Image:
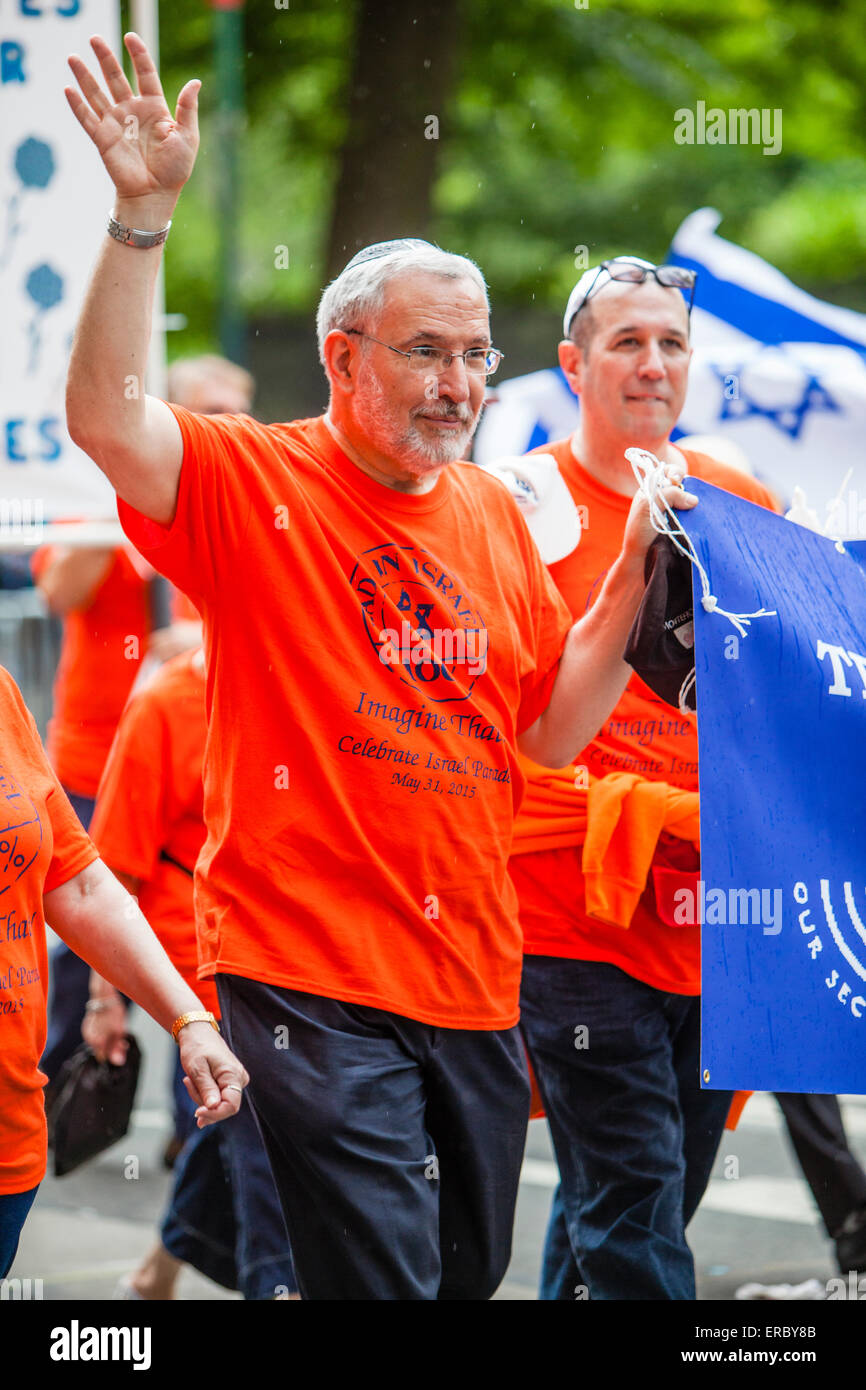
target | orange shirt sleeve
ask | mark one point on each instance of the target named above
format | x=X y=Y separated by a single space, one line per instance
x=42 y=846
x=183 y=609
x=73 y=848
x=198 y=550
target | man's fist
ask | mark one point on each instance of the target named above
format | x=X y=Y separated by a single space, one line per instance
x=668 y=490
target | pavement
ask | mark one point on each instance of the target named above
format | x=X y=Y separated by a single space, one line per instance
x=757 y=1220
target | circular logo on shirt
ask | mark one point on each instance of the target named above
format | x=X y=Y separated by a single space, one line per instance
x=20 y=831
x=420 y=621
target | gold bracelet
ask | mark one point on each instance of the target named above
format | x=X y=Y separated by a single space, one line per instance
x=197 y=1016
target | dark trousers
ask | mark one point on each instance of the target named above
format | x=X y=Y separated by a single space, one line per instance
x=396 y=1147
x=818 y=1136
x=617 y=1064
x=13 y=1213
x=224 y=1217
x=70 y=990
x=70 y=982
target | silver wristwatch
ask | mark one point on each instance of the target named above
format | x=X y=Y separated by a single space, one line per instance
x=131 y=236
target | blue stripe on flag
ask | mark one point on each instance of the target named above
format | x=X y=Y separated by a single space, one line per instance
x=762 y=318
x=538 y=437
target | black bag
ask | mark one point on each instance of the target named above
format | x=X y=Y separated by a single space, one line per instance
x=89 y=1104
x=661 y=644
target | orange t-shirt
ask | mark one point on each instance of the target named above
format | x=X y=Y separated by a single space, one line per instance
x=149 y=817
x=182 y=608
x=103 y=644
x=643 y=736
x=42 y=846
x=359 y=810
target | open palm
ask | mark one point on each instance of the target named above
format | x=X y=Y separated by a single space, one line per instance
x=145 y=149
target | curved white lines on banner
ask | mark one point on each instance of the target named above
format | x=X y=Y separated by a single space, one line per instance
x=834 y=928
x=854 y=914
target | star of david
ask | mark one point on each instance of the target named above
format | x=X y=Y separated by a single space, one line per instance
x=788 y=418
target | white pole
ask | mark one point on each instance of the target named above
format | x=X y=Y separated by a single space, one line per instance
x=144 y=16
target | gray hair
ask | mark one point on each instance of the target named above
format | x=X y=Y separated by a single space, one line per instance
x=358 y=292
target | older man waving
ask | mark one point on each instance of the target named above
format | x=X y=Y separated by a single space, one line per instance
x=381 y=636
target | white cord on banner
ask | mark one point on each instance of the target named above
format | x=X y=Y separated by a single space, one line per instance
x=685 y=692
x=652 y=479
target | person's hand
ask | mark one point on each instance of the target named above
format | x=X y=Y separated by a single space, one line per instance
x=104 y=1028
x=145 y=150
x=214 y=1079
x=639 y=530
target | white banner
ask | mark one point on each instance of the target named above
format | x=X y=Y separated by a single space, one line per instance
x=54 y=201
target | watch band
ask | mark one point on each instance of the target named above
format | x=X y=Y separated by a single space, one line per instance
x=197 y=1016
x=131 y=236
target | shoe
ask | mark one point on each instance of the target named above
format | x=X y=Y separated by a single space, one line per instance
x=850 y=1242
x=811 y=1290
x=125 y=1291
x=808 y=1292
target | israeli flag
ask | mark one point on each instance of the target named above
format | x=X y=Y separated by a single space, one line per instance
x=525 y=412
x=780 y=373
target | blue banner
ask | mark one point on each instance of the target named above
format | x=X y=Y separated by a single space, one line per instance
x=782 y=737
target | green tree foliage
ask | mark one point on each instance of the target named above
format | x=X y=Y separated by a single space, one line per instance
x=557 y=133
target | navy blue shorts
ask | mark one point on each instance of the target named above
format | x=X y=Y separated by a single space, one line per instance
x=395 y=1146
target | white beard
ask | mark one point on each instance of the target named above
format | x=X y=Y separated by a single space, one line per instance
x=409 y=445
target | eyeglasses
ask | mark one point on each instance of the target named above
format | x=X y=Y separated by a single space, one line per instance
x=478 y=361
x=671 y=276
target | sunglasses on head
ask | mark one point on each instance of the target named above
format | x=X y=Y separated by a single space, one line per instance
x=671 y=276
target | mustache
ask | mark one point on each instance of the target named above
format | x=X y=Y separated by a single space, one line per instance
x=445 y=410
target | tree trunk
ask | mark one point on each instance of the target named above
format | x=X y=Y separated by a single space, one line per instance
x=402 y=74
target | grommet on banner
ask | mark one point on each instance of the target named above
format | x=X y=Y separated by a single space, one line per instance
x=651 y=480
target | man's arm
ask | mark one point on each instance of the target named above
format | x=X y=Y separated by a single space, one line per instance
x=592 y=674
x=149 y=156
x=71 y=578
x=100 y=922
x=104 y=1025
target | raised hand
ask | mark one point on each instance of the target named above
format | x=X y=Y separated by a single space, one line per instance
x=147 y=151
